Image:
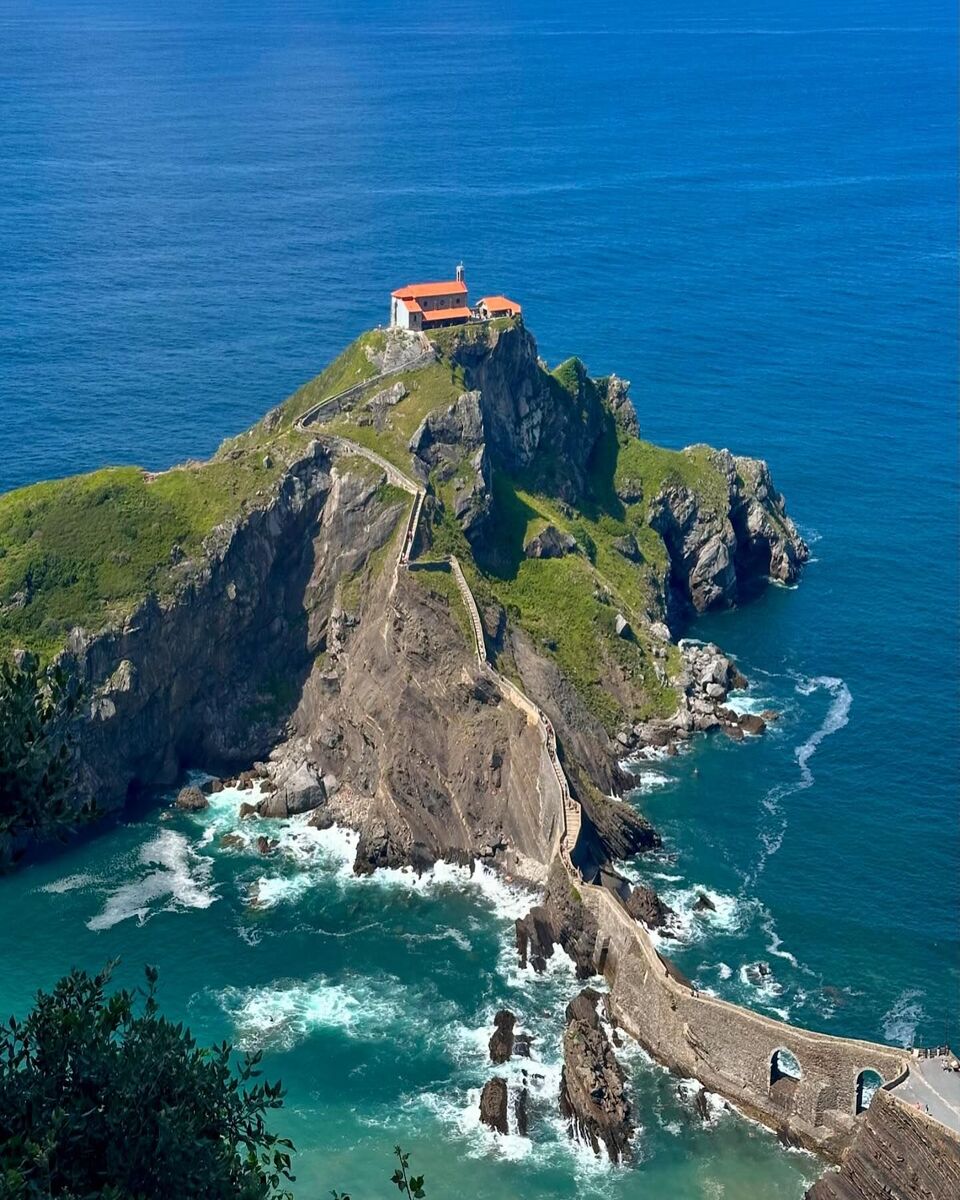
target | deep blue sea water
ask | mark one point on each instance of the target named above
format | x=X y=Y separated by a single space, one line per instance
x=747 y=209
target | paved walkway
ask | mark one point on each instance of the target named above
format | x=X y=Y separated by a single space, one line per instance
x=934 y=1089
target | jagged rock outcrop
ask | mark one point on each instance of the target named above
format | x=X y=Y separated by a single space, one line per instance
x=494 y=1101
x=501 y=1043
x=550 y=542
x=897 y=1154
x=592 y=1085
x=645 y=905
x=720 y=551
x=562 y=919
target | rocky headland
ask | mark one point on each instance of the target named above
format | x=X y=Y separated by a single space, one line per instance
x=281 y=636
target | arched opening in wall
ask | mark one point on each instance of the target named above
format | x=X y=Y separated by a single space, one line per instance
x=785 y=1076
x=784 y=1065
x=868 y=1084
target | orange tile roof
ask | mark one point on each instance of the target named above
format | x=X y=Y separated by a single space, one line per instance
x=446 y=314
x=414 y=291
x=411 y=305
x=495 y=303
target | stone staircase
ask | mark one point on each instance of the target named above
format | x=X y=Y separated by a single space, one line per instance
x=572 y=815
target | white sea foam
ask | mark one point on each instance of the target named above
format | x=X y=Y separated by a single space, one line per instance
x=69 y=883
x=171 y=877
x=650 y=781
x=284 y=1014
x=773 y=817
x=900 y=1021
x=689 y=925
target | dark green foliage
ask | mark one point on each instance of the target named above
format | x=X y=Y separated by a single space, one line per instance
x=101 y=1096
x=36 y=763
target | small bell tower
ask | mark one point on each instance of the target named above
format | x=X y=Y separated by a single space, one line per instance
x=459 y=272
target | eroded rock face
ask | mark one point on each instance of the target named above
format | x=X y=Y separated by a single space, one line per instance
x=494 y=1101
x=897 y=1154
x=592 y=1084
x=501 y=1043
x=720 y=552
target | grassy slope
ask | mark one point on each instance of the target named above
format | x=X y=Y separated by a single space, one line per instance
x=86 y=550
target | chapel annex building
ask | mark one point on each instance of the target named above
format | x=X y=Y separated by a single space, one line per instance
x=422 y=306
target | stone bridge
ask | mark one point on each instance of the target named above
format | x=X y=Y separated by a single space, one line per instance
x=813 y=1092
x=809 y=1086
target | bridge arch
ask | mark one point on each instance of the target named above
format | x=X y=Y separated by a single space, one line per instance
x=868 y=1082
x=784 y=1064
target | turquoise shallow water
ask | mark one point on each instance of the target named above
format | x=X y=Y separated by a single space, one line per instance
x=752 y=216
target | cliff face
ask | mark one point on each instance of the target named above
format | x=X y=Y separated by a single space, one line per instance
x=210 y=677
x=720 y=555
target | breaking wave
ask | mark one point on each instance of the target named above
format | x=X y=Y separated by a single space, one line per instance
x=172 y=878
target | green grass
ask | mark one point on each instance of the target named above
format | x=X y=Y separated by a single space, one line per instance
x=87 y=549
x=436 y=385
x=351 y=367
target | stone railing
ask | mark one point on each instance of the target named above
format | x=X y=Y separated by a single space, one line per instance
x=325 y=409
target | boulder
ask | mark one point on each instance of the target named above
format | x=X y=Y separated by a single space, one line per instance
x=751 y=723
x=622 y=626
x=299 y=792
x=645 y=905
x=248 y=810
x=703 y=903
x=770 y=714
x=627 y=546
x=232 y=841
x=266 y=845
x=493 y=1105
x=191 y=799
x=550 y=542
x=501 y=1044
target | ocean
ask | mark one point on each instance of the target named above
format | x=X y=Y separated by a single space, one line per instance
x=749 y=210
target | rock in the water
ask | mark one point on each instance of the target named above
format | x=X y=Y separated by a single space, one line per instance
x=248 y=810
x=501 y=1044
x=493 y=1104
x=645 y=905
x=299 y=792
x=701 y=1104
x=520 y=1112
x=266 y=845
x=191 y=799
x=751 y=723
x=703 y=903
x=770 y=714
x=232 y=841
x=550 y=543
x=521 y=1045
x=592 y=1092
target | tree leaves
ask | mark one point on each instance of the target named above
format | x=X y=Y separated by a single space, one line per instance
x=99 y=1099
x=36 y=756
